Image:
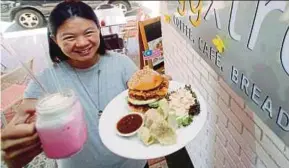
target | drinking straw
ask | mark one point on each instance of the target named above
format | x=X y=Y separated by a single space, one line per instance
x=11 y=51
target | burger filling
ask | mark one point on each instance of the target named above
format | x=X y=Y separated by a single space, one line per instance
x=138 y=108
x=141 y=102
x=157 y=93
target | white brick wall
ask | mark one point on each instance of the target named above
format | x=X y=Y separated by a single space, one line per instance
x=234 y=136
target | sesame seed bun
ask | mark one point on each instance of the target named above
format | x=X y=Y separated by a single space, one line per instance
x=145 y=79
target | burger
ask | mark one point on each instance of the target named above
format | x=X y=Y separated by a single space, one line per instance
x=145 y=88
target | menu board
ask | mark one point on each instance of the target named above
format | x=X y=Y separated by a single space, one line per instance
x=153 y=45
x=152 y=51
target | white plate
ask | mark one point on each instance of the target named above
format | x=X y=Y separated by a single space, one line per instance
x=132 y=147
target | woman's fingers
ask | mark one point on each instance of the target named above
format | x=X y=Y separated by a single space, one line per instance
x=30 y=111
x=18 y=118
x=23 y=117
x=26 y=109
x=24 y=158
x=168 y=77
x=31 y=119
x=19 y=140
x=10 y=154
x=19 y=143
x=18 y=131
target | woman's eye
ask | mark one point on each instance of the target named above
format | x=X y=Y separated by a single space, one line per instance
x=68 y=38
x=89 y=32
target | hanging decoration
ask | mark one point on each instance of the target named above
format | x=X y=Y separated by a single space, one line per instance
x=167 y=18
x=219 y=44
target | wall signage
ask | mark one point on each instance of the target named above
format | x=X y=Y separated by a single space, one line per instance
x=255 y=58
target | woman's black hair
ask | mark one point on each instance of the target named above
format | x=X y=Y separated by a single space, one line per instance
x=59 y=15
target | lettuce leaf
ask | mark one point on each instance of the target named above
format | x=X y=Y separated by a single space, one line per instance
x=184 y=120
x=154 y=104
x=164 y=108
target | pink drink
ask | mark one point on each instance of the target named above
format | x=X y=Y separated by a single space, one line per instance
x=61 y=125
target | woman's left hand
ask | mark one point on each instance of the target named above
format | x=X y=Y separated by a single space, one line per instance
x=168 y=77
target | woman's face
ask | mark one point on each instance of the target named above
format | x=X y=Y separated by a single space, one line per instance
x=78 y=38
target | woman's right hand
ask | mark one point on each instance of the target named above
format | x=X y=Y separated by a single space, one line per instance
x=19 y=140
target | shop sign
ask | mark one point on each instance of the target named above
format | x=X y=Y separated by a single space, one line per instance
x=247 y=43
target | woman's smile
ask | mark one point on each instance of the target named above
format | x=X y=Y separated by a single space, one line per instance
x=79 y=39
x=84 y=52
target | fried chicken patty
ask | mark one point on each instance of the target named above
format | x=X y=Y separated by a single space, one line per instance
x=157 y=93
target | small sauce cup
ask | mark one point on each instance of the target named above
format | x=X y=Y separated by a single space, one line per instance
x=129 y=124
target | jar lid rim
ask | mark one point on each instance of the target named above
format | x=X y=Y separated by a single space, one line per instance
x=41 y=109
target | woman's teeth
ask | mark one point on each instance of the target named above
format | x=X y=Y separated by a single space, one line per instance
x=84 y=52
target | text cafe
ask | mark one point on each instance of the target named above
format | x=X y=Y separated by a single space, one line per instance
x=237 y=55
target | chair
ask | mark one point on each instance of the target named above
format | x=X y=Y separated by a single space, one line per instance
x=113 y=42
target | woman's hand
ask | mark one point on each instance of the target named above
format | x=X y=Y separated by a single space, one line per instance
x=168 y=77
x=19 y=140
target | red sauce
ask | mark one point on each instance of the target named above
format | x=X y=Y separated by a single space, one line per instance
x=129 y=123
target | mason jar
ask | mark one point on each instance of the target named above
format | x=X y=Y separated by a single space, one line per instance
x=60 y=124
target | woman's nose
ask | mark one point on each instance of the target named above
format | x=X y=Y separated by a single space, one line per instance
x=81 y=42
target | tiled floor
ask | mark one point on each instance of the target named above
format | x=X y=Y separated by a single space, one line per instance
x=162 y=164
x=158 y=163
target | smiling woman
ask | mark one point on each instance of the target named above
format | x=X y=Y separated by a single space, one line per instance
x=83 y=65
x=69 y=41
